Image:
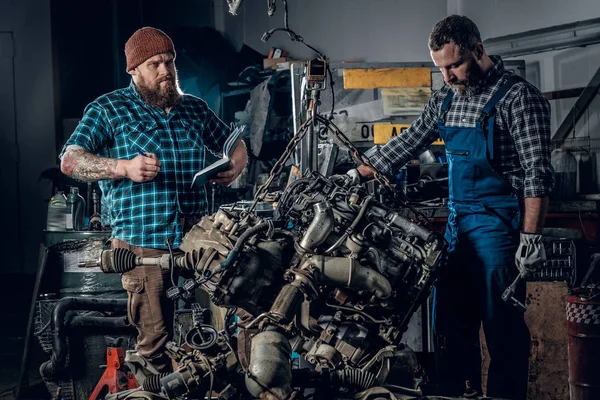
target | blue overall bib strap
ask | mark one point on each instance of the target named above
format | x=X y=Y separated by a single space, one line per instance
x=489 y=113
x=445 y=107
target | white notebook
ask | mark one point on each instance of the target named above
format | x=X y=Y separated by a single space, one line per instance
x=203 y=176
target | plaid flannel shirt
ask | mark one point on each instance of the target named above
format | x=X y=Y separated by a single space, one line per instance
x=120 y=125
x=522 y=142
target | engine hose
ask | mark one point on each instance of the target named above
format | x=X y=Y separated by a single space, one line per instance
x=286 y=303
x=361 y=213
x=354 y=378
x=240 y=243
x=359 y=216
x=56 y=365
x=119 y=260
x=404 y=390
x=285 y=196
x=152 y=382
x=92 y=321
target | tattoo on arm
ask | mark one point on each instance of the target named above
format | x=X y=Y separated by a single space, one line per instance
x=80 y=164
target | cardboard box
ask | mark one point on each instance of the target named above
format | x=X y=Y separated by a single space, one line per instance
x=271 y=63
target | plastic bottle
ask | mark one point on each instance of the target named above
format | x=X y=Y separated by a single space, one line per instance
x=75 y=210
x=57 y=208
x=95 y=223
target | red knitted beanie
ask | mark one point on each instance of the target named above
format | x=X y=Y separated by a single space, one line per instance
x=145 y=43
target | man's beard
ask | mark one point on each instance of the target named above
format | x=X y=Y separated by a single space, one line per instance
x=161 y=96
x=473 y=82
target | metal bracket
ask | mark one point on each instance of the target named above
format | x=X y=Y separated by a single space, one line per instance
x=579 y=108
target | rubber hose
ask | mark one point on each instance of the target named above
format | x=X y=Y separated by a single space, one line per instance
x=50 y=369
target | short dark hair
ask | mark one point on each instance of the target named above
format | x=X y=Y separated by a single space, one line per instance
x=456 y=29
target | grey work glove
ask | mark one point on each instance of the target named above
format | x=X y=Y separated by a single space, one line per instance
x=531 y=254
x=349 y=179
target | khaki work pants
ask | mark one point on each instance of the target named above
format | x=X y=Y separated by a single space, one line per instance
x=148 y=308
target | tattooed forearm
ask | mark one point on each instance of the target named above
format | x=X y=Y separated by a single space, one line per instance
x=82 y=165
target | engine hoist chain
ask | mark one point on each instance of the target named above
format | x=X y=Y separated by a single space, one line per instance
x=380 y=178
x=359 y=157
x=291 y=146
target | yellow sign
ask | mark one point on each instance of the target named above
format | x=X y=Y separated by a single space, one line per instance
x=382 y=133
x=386 y=78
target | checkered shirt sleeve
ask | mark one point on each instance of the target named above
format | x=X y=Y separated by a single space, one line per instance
x=92 y=133
x=522 y=141
x=529 y=127
x=413 y=140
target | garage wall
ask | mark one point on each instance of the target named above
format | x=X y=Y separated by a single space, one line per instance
x=556 y=70
x=29 y=148
x=397 y=30
x=504 y=17
x=388 y=30
x=568 y=69
x=348 y=30
x=563 y=69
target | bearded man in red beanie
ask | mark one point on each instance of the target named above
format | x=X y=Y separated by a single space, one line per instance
x=143 y=144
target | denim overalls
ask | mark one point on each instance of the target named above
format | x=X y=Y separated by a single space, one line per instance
x=483 y=236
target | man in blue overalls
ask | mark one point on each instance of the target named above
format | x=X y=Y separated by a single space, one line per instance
x=496 y=128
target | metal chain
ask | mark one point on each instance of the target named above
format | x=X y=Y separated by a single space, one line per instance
x=361 y=158
x=380 y=178
x=291 y=146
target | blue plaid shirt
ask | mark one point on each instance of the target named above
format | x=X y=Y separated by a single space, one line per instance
x=119 y=125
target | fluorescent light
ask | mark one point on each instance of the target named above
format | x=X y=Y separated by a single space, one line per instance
x=557 y=37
